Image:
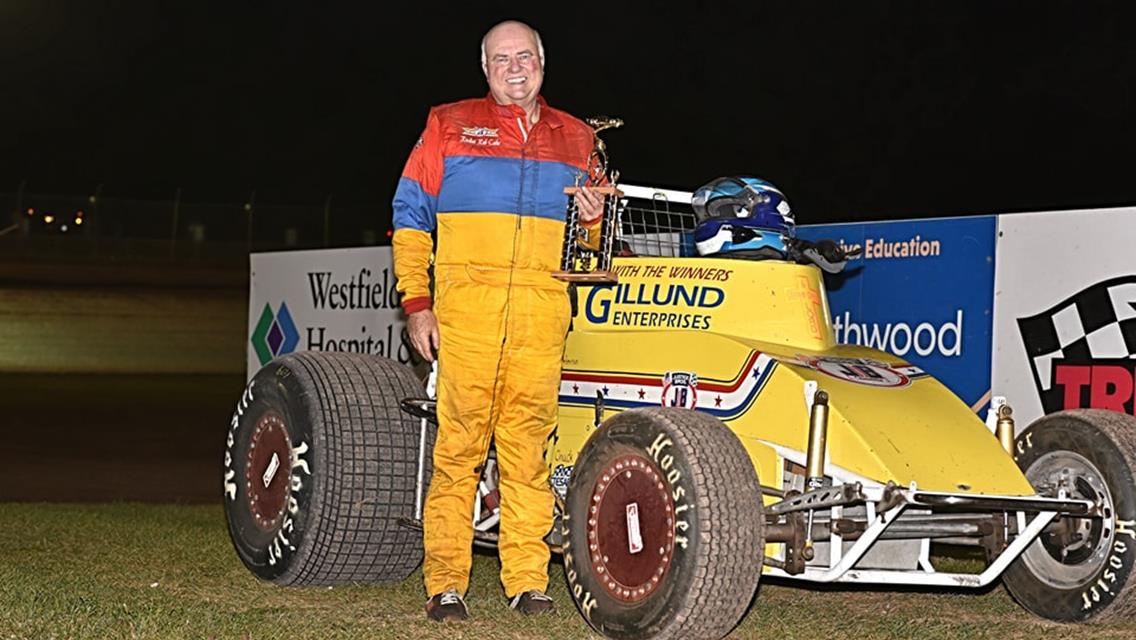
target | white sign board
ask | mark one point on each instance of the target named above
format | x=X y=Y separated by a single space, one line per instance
x=325 y=300
x=1065 y=311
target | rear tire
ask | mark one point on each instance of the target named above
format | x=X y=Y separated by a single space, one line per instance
x=665 y=527
x=1088 y=577
x=320 y=464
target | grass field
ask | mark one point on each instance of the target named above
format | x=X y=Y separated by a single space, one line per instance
x=168 y=571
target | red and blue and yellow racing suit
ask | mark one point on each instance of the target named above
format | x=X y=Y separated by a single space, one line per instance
x=492 y=189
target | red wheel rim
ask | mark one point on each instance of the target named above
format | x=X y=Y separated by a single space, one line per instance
x=268 y=468
x=631 y=529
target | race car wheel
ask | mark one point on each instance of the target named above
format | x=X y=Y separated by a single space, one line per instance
x=320 y=463
x=665 y=528
x=1080 y=569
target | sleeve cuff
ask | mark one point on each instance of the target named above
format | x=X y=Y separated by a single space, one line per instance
x=414 y=305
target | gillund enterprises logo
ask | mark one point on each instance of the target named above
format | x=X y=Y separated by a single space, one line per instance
x=275 y=334
x=1083 y=350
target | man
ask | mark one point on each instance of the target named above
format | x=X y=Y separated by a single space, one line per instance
x=488 y=176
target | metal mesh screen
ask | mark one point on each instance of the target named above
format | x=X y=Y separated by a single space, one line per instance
x=657 y=224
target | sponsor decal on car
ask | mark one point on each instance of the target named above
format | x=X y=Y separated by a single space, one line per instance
x=865 y=371
x=560 y=477
x=660 y=305
x=680 y=390
x=725 y=399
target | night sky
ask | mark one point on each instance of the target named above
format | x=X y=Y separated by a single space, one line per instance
x=857 y=110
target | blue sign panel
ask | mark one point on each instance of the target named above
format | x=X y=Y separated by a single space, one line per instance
x=922 y=290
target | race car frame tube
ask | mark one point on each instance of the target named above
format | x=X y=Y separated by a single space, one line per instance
x=432 y=394
x=421 y=471
x=884 y=507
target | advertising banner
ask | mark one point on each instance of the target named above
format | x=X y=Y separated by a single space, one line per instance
x=1065 y=323
x=922 y=290
x=324 y=300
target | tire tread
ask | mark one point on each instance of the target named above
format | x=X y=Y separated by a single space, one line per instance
x=369 y=449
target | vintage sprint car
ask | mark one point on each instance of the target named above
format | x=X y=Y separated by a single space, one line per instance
x=711 y=433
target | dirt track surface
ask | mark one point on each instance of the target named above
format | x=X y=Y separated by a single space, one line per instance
x=66 y=328
x=98 y=438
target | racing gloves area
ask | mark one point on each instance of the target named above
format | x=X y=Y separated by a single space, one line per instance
x=826 y=254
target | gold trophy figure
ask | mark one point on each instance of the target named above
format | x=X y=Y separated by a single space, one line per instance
x=587 y=259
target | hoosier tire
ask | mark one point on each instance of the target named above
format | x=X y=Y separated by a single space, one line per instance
x=1087 y=574
x=665 y=527
x=320 y=463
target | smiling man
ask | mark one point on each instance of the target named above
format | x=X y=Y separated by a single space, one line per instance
x=515 y=68
x=483 y=191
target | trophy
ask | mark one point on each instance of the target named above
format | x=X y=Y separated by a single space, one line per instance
x=584 y=259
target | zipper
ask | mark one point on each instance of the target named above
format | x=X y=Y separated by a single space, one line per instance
x=521 y=186
x=508 y=300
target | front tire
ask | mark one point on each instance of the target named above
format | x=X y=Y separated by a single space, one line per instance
x=1086 y=572
x=320 y=464
x=665 y=527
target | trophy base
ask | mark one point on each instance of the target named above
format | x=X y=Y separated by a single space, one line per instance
x=606 y=190
x=591 y=277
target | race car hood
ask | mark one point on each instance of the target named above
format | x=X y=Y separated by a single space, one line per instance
x=891 y=421
x=888 y=421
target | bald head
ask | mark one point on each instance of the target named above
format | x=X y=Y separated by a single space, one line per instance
x=510 y=25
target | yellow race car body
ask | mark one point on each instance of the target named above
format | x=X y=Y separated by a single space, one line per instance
x=740 y=339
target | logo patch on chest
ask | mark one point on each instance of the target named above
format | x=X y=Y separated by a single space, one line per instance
x=480 y=136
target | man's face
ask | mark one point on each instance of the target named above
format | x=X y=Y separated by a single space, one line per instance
x=512 y=65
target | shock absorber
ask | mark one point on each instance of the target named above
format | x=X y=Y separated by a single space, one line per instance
x=818 y=442
x=814 y=463
x=1005 y=428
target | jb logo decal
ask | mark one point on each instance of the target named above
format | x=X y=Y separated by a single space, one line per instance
x=680 y=390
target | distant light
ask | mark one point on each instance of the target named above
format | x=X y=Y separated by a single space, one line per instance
x=390 y=233
x=49 y=218
x=78 y=221
x=63 y=228
x=79 y=213
x=31 y=212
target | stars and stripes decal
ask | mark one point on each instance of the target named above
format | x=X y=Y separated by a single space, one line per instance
x=724 y=399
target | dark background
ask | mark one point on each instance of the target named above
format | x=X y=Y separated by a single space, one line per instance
x=857 y=110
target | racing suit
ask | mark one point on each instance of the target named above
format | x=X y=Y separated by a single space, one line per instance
x=492 y=187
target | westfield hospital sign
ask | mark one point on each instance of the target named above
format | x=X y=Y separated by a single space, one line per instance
x=331 y=300
x=358 y=293
x=365 y=291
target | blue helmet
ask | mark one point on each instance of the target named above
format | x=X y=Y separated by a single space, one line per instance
x=742 y=214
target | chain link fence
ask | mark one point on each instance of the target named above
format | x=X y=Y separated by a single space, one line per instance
x=96 y=228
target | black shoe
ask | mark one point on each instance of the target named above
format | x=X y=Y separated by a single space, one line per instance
x=447 y=605
x=530 y=602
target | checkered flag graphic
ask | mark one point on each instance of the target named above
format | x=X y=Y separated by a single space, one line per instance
x=1099 y=323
